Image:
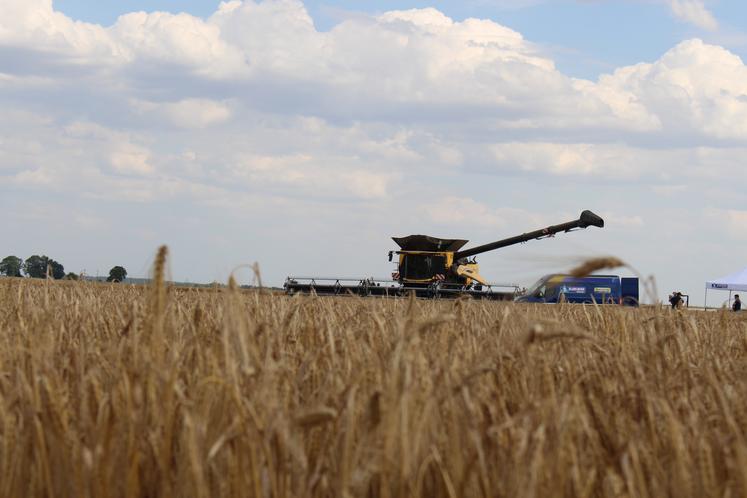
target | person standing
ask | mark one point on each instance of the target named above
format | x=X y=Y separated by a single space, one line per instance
x=737 y=304
x=675 y=299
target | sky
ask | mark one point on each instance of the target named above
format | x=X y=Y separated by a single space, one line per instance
x=303 y=135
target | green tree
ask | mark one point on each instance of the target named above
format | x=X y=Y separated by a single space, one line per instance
x=117 y=274
x=11 y=266
x=36 y=267
x=72 y=276
x=58 y=271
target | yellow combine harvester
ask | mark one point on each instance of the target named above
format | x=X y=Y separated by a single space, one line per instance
x=435 y=267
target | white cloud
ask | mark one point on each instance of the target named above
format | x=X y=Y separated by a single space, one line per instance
x=35 y=177
x=669 y=190
x=618 y=221
x=417 y=63
x=187 y=113
x=694 y=12
x=555 y=158
x=737 y=222
x=694 y=88
x=178 y=39
x=585 y=159
x=35 y=23
x=128 y=158
x=198 y=113
x=453 y=211
x=437 y=82
x=301 y=174
x=732 y=222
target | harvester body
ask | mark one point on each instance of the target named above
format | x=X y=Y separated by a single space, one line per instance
x=424 y=260
x=435 y=267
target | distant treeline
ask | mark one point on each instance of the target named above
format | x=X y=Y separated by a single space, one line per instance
x=45 y=267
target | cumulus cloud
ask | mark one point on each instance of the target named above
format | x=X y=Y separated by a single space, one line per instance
x=694 y=12
x=453 y=211
x=180 y=39
x=38 y=177
x=449 y=88
x=301 y=174
x=694 y=88
x=561 y=159
x=737 y=223
x=731 y=224
x=618 y=221
x=187 y=113
x=35 y=23
x=131 y=159
x=402 y=65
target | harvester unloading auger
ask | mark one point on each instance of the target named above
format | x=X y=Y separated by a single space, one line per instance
x=434 y=267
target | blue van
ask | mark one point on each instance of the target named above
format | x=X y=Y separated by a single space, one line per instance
x=601 y=289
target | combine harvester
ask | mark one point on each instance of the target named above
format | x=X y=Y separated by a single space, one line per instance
x=433 y=267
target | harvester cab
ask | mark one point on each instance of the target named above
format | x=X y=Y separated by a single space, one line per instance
x=425 y=260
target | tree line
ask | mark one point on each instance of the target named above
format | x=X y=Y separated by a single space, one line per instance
x=45 y=267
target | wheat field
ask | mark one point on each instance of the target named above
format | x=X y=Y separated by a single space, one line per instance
x=108 y=390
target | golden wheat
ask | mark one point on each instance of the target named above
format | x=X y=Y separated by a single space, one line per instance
x=109 y=390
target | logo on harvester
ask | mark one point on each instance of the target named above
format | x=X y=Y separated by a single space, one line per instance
x=719 y=286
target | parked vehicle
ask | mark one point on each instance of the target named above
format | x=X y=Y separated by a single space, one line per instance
x=600 y=289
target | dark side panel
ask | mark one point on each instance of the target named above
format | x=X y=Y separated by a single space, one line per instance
x=630 y=292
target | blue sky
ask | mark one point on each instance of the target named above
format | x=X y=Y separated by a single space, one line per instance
x=303 y=135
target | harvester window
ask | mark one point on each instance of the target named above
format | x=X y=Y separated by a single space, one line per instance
x=422 y=267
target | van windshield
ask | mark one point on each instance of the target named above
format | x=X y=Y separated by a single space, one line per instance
x=539 y=285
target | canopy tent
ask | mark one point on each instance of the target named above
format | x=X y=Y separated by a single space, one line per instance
x=731 y=283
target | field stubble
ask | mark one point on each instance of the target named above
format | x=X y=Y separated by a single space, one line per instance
x=123 y=391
